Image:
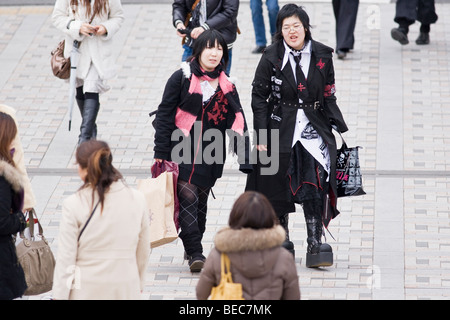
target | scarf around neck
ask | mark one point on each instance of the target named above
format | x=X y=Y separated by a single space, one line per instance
x=191 y=105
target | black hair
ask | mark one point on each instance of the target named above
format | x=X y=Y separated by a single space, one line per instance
x=290 y=10
x=208 y=39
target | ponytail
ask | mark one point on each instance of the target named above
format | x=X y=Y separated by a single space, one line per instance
x=96 y=157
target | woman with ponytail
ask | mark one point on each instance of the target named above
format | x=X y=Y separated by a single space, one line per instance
x=108 y=261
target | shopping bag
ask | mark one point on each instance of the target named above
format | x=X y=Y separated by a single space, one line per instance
x=348 y=173
x=169 y=166
x=227 y=289
x=159 y=195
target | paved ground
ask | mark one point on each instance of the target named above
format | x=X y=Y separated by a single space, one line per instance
x=393 y=243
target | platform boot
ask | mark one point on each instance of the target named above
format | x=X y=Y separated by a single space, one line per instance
x=288 y=244
x=318 y=254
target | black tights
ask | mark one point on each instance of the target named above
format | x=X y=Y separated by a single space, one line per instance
x=193 y=206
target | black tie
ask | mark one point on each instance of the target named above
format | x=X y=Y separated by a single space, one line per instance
x=301 y=80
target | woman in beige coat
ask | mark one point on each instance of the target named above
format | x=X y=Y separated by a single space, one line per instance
x=252 y=241
x=94 y=23
x=109 y=260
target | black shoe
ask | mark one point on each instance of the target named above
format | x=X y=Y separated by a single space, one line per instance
x=424 y=38
x=341 y=54
x=259 y=49
x=196 y=262
x=400 y=35
x=318 y=254
x=88 y=127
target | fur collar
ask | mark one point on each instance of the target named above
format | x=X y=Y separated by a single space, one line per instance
x=246 y=239
x=187 y=72
x=12 y=175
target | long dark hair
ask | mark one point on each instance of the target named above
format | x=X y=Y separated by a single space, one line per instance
x=291 y=10
x=208 y=39
x=8 y=132
x=95 y=155
x=252 y=210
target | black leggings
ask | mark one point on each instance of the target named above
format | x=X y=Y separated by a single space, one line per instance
x=193 y=206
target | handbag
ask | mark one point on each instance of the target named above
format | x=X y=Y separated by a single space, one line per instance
x=36 y=259
x=348 y=172
x=227 y=289
x=60 y=64
x=170 y=166
x=159 y=195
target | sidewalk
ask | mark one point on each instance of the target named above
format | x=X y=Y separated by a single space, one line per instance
x=393 y=243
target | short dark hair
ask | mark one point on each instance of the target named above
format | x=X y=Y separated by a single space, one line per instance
x=208 y=39
x=290 y=10
x=252 y=210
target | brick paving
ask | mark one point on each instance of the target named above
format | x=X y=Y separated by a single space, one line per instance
x=393 y=243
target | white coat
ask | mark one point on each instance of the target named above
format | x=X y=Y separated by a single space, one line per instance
x=110 y=259
x=97 y=50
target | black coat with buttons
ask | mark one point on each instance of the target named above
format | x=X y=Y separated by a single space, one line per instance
x=275 y=103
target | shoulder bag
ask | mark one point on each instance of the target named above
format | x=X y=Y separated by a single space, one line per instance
x=36 y=259
x=227 y=289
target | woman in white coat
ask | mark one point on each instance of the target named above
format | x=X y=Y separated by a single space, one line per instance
x=93 y=23
x=110 y=258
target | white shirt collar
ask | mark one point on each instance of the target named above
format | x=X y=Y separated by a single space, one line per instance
x=306 y=50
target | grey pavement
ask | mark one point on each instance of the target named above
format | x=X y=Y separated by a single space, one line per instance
x=393 y=243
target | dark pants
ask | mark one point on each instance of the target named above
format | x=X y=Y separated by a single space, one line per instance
x=345 y=12
x=193 y=207
x=409 y=11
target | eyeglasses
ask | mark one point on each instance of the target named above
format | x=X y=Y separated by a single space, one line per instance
x=296 y=27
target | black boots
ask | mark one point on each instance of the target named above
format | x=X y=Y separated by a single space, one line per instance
x=318 y=254
x=89 y=110
x=284 y=222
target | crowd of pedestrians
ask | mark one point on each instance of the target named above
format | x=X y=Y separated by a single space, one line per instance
x=293 y=94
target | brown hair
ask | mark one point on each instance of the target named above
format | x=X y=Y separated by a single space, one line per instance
x=99 y=6
x=8 y=131
x=252 y=210
x=95 y=155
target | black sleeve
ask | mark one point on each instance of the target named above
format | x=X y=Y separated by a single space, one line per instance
x=180 y=11
x=9 y=223
x=165 y=117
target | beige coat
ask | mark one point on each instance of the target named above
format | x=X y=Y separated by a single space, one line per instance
x=95 y=49
x=266 y=270
x=110 y=260
x=19 y=161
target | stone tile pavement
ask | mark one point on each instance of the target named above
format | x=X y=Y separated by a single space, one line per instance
x=393 y=243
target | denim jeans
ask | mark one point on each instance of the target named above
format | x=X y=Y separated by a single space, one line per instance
x=258 y=19
x=188 y=52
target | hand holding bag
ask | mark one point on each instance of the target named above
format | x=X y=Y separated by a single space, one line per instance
x=348 y=173
x=227 y=289
x=159 y=194
x=36 y=259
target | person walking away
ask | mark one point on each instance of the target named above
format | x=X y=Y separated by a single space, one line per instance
x=197 y=16
x=94 y=24
x=256 y=7
x=12 y=220
x=199 y=100
x=406 y=14
x=345 y=13
x=109 y=259
x=252 y=242
x=293 y=96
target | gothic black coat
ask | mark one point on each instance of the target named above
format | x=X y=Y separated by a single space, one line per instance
x=275 y=105
x=12 y=278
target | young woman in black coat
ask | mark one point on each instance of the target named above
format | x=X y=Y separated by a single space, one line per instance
x=198 y=107
x=294 y=96
x=12 y=221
